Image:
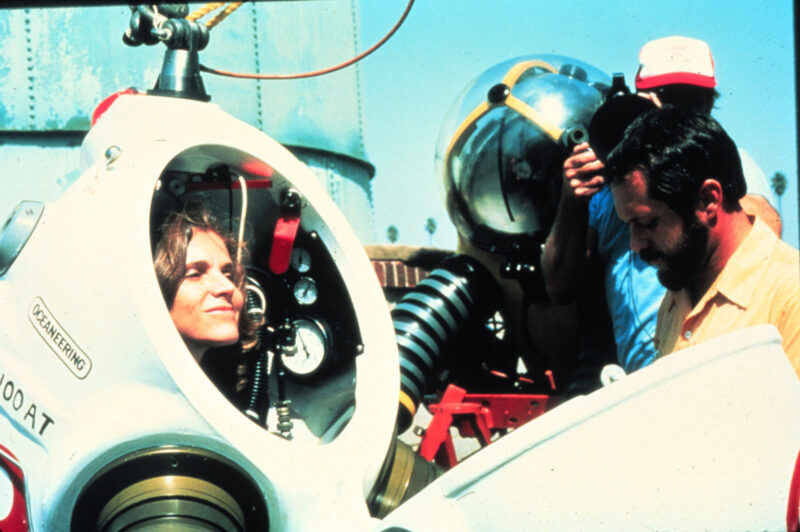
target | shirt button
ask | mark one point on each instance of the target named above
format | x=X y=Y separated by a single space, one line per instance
x=687 y=334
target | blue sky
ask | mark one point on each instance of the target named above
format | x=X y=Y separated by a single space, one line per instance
x=410 y=83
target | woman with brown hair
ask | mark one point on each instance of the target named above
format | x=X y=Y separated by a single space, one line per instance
x=202 y=280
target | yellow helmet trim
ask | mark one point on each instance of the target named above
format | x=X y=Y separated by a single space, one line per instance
x=510 y=79
x=519 y=69
x=534 y=116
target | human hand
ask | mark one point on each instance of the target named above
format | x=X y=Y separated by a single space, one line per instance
x=652 y=96
x=582 y=173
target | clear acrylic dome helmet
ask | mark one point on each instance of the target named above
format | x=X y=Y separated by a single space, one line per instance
x=504 y=141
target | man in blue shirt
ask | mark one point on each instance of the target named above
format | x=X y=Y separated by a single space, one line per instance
x=588 y=240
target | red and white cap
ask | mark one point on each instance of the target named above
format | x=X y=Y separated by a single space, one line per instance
x=674 y=60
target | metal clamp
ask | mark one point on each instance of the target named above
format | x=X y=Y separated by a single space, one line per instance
x=18 y=228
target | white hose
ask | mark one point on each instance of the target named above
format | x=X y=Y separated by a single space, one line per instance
x=241 y=221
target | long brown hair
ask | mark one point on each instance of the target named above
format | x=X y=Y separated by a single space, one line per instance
x=169 y=257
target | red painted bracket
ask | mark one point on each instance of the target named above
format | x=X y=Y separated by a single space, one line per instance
x=17 y=518
x=476 y=415
x=437 y=444
x=103 y=106
x=793 y=506
x=283 y=243
x=252 y=184
x=509 y=411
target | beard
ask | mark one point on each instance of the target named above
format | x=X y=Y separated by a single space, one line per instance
x=686 y=260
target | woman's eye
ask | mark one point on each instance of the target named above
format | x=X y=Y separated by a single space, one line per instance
x=192 y=274
x=231 y=274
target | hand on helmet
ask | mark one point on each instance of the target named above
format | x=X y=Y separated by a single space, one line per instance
x=582 y=176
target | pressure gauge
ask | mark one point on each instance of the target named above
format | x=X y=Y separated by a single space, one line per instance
x=305 y=291
x=301 y=260
x=312 y=346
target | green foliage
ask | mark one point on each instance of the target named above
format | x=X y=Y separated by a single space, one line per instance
x=392 y=233
x=430 y=227
x=778 y=183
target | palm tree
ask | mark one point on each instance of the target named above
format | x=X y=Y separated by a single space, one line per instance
x=430 y=227
x=779 y=187
x=392 y=233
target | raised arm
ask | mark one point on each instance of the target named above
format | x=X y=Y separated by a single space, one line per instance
x=566 y=253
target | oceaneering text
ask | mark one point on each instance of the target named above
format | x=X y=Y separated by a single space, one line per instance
x=59 y=341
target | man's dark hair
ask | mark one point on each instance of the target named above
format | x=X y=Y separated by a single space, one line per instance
x=698 y=98
x=679 y=148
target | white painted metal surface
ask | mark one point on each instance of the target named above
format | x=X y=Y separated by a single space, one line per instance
x=89 y=263
x=704 y=439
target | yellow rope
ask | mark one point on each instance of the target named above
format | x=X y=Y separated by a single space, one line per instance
x=233 y=6
x=205 y=10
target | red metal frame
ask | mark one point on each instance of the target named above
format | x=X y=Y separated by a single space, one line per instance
x=476 y=415
x=508 y=411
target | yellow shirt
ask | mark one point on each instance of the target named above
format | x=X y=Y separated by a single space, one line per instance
x=759 y=284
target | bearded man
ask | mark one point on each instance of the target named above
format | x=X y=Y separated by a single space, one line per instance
x=677 y=181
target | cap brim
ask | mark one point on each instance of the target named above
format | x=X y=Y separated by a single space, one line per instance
x=610 y=121
x=675 y=78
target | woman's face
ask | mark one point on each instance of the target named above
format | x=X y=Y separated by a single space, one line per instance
x=207 y=303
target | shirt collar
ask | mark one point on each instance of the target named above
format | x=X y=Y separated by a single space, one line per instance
x=736 y=281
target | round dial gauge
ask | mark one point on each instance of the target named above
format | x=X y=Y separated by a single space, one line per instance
x=301 y=260
x=305 y=291
x=311 y=341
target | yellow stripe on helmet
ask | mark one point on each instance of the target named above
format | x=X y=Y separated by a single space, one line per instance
x=515 y=72
x=510 y=79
